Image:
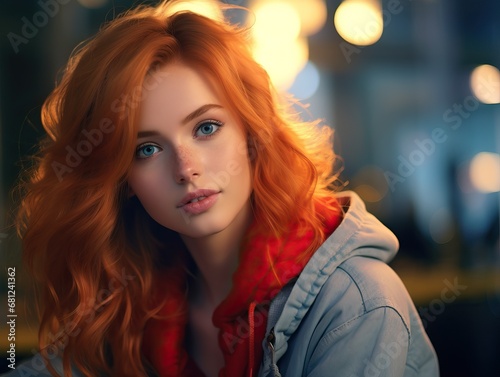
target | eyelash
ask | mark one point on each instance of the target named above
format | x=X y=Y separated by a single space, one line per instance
x=217 y=123
x=142 y=146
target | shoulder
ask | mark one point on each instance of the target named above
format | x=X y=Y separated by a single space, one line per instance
x=363 y=306
x=358 y=289
x=374 y=284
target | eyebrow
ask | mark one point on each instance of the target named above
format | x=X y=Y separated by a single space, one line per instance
x=200 y=111
x=191 y=116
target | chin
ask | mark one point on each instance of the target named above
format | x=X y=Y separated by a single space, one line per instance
x=199 y=233
x=200 y=228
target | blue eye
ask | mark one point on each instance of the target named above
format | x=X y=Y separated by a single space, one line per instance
x=207 y=128
x=146 y=151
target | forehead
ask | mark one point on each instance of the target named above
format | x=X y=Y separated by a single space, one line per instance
x=174 y=90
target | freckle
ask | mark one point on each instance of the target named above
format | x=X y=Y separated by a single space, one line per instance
x=183 y=154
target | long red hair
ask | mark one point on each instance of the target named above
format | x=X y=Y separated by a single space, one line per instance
x=93 y=250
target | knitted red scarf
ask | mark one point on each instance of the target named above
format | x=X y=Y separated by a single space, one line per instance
x=266 y=265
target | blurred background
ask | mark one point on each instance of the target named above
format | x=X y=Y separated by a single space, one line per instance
x=412 y=90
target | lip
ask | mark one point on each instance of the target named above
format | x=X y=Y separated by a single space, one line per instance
x=200 y=206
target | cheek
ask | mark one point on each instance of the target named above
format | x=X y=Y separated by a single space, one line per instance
x=241 y=158
x=239 y=167
x=145 y=184
x=230 y=158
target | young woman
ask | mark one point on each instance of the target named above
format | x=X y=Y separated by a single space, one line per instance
x=181 y=221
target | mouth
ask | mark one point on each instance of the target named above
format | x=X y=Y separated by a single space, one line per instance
x=198 y=201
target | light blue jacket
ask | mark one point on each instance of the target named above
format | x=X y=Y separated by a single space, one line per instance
x=347 y=314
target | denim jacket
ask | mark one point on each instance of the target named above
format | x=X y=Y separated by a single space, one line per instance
x=348 y=314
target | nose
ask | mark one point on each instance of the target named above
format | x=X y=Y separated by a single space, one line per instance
x=187 y=166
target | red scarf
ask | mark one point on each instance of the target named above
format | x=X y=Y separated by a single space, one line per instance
x=266 y=265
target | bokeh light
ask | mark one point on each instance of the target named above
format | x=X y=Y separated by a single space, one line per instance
x=275 y=21
x=370 y=184
x=485 y=172
x=359 y=22
x=207 y=8
x=283 y=61
x=312 y=13
x=441 y=226
x=279 y=32
x=485 y=84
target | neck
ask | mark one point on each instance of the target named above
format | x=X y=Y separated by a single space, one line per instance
x=217 y=258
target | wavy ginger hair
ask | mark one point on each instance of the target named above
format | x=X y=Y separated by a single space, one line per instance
x=93 y=250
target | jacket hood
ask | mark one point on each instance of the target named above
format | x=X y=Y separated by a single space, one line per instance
x=359 y=234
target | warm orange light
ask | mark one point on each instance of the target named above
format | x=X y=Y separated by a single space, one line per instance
x=484 y=172
x=359 y=22
x=277 y=45
x=282 y=61
x=368 y=193
x=207 y=8
x=278 y=31
x=485 y=84
x=372 y=185
x=276 y=20
x=312 y=14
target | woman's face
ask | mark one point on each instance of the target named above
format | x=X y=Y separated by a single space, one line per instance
x=191 y=170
